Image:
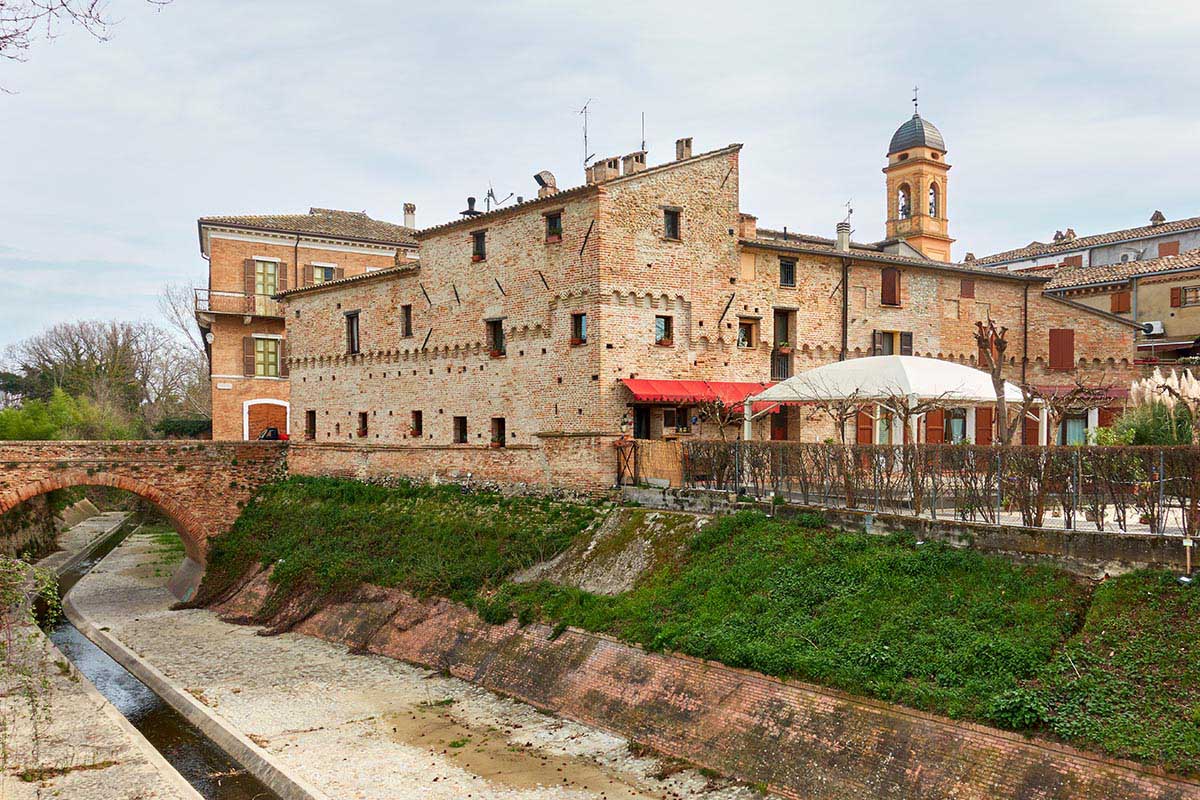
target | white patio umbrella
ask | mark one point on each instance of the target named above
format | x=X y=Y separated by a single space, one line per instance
x=885 y=378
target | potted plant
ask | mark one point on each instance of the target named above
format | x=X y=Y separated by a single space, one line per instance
x=576 y=341
x=497 y=353
x=476 y=258
x=553 y=238
x=783 y=348
x=665 y=342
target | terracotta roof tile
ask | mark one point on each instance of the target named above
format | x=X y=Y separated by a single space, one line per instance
x=1075 y=277
x=1036 y=249
x=331 y=222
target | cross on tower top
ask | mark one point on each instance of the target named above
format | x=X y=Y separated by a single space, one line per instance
x=915 y=90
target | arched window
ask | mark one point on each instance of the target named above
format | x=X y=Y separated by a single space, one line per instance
x=933 y=200
x=904 y=202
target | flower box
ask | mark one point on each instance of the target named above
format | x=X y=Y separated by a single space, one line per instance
x=497 y=353
x=665 y=342
x=496 y=444
x=476 y=258
x=554 y=238
x=784 y=349
x=576 y=341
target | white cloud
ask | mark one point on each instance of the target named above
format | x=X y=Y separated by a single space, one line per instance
x=1055 y=114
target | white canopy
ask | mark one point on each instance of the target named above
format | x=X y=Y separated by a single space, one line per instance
x=885 y=377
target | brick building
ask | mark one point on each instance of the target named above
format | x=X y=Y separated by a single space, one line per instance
x=528 y=339
x=251 y=258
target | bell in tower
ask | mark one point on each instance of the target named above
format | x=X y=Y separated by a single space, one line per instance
x=916 y=186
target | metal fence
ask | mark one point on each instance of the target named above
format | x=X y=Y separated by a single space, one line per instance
x=1128 y=489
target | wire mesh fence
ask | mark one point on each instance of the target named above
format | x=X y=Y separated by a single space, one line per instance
x=1120 y=489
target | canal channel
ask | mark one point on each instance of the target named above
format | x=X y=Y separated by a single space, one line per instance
x=202 y=763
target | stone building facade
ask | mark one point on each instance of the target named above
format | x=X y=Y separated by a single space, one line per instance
x=250 y=259
x=528 y=339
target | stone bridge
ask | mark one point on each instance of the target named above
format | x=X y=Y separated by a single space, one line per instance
x=200 y=486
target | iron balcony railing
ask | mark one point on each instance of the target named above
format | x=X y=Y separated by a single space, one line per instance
x=220 y=302
x=781 y=366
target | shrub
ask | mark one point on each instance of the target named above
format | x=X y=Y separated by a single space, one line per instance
x=1017 y=709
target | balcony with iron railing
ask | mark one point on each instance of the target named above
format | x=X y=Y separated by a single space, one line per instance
x=209 y=301
x=781 y=365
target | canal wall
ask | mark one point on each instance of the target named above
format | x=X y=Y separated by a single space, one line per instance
x=800 y=740
x=84 y=748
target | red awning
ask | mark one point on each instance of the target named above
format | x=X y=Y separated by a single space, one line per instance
x=731 y=393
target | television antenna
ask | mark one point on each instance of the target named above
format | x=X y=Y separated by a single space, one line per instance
x=586 y=155
x=490 y=198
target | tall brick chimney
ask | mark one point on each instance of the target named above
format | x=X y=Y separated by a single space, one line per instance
x=634 y=162
x=604 y=169
x=747 y=226
x=410 y=215
x=683 y=148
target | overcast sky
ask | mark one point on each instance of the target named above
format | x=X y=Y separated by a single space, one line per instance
x=1055 y=114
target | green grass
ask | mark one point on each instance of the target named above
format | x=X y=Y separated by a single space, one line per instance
x=1113 y=667
x=929 y=626
x=329 y=535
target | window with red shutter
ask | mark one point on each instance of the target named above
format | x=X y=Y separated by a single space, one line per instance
x=1119 y=302
x=890 y=289
x=966 y=287
x=1176 y=297
x=983 y=426
x=1073 y=261
x=1168 y=249
x=1062 y=348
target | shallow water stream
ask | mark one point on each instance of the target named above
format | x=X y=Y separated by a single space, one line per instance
x=204 y=765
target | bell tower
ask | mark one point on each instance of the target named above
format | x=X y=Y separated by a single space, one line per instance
x=916 y=188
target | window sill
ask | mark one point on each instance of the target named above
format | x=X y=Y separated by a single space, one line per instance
x=578 y=342
x=498 y=354
x=554 y=239
x=674 y=239
x=891 y=305
x=787 y=286
x=665 y=343
x=477 y=259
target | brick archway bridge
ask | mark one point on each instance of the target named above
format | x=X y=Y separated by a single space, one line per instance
x=200 y=486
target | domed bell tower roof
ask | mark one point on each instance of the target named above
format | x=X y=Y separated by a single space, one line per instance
x=917 y=132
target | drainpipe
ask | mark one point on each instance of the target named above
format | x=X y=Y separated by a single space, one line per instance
x=845 y=307
x=1024 y=338
x=296 y=263
x=1133 y=307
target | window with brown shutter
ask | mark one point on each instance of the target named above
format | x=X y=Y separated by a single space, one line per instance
x=935 y=426
x=248 y=348
x=248 y=285
x=283 y=355
x=1168 y=249
x=864 y=429
x=1119 y=302
x=890 y=289
x=983 y=426
x=1176 y=297
x=1073 y=261
x=966 y=287
x=1062 y=348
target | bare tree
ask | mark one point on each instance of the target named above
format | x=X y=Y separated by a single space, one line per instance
x=23 y=21
x=993 y=343
x=720 y=414
x=1075 y=399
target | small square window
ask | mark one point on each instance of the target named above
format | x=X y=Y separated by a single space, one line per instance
x=966 y=288
x=663 y=331
x=671 y=223
x=406 y=321
x=747 y=335
x=460 y=430
x=554 y=227
x=787 y=272
x=579 y=329
x=479 y=245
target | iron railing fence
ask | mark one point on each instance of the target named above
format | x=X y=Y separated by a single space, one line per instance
x=1126 y=489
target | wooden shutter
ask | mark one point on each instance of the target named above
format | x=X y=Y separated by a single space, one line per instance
x=983 y=425
x=248 y=356
x=281 y=281
x=890 y=290
x=935 y=426
x=339 y=273
x=906 y=343
x=1106 y=417
x=1062 y=348
x=1168 y=249
x=306 y=278
x=876 y=343
x=283 y=354
x=1119 y=302
x=1073 y=261
x=1029 y=431
x=248 y=286
x=1176 y=297
x=864 y=429
x=966 y=287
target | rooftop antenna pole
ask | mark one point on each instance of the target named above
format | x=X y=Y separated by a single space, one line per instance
x=643 y=130
x=584 y=111
x=849 y=211
x=916 y=111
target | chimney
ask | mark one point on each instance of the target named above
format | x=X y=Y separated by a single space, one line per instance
x=1157 y=218
x=547 y=185
x=1069 y=236
x=683 y=148
x=410 y=215
x=634 y=162
x=605 y=169
x=843 y=237
x=747 y=226
x=470 y=212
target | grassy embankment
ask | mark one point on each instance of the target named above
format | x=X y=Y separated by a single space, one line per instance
x=1113 y=667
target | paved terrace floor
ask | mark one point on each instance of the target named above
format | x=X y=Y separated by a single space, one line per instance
x=367 y=727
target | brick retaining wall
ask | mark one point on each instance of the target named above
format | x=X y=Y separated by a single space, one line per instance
x=801 y=740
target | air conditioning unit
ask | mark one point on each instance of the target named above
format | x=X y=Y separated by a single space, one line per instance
x=1154 y=328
